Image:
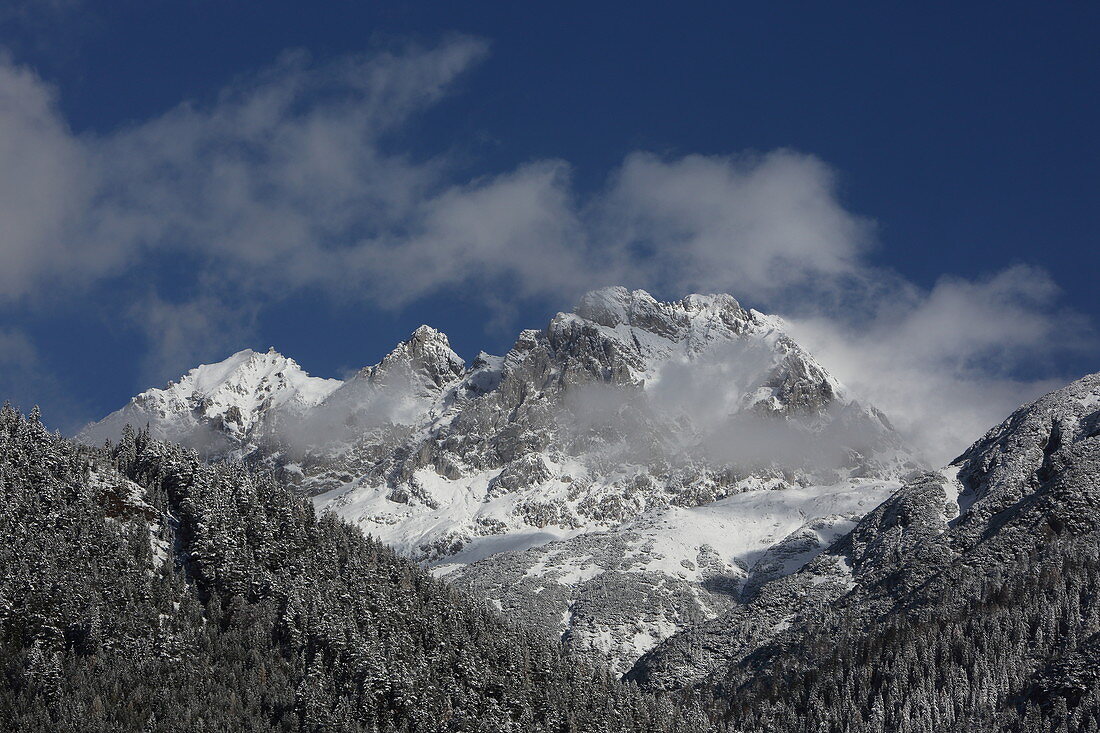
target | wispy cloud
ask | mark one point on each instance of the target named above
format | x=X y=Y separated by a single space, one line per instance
x=949 y=363
x=765 y=225
x=293 y=179
x=184 y=331
x=278 y=178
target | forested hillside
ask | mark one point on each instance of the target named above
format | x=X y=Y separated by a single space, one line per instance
x=1016 y=648
x=144 y=589
x=976 y=601
x=141 y=589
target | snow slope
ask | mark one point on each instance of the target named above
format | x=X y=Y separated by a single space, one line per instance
x=620 y=592
x=694 y=435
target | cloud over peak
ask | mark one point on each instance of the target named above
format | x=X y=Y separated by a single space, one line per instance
x=760 y=223
x=293 y=179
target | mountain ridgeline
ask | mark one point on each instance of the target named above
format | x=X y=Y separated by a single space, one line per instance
x=647 y=516
x=556 y=480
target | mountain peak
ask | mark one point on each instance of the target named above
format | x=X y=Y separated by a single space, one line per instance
x=424 y=332
x=233 y=395
x=610 y=306
x=428 y=341
x=244 y=365
x=425 y=357
x=616 y=306
x=1013 y=458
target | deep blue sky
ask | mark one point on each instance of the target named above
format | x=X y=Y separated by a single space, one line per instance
x=966 y=131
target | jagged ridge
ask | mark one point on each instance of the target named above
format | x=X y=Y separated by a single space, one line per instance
x=619 y=415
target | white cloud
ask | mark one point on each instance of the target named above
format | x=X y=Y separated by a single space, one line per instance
x=203 y=329
x=44 y=184
x=760 y=225
x=285 y=181
x=519 y=225
x=272 y=182
x=292 y=179
x=943 y=364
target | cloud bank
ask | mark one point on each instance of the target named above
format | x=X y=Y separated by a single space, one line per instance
x=950 y=363
x=289 y=179
x=297 y=179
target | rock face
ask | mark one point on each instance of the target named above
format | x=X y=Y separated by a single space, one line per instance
x=620 y=474
x=1034 y=477
x=619 y=592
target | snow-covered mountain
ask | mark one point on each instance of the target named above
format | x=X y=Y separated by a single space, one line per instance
x=620 y=591
x=220 y=408
x=615 y=476
x=1031 y=480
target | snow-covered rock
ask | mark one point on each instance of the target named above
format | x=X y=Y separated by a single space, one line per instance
x=660 y=447
x=219 y=407
x=1034 y=477
x=620 y=592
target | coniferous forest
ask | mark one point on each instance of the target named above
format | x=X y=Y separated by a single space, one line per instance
x=1015 y=649
x=144 y=589
x=141 y=589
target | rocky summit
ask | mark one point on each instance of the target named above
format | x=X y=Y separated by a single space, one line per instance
x=634 y=468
